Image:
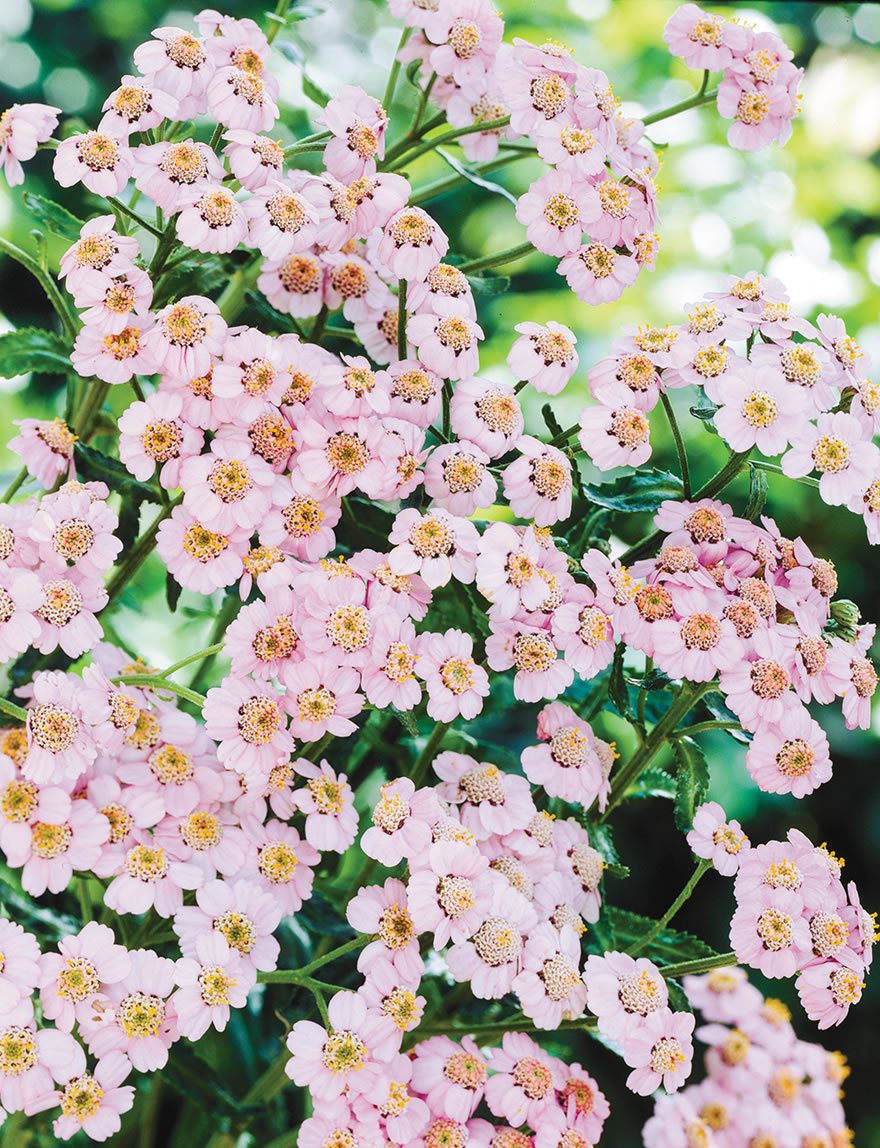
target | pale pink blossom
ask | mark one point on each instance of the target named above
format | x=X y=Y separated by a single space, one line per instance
x=21 y=971
x=549 y=986
x=186 y=336
x=108 y=1098
x=151 y=876
x=341 y=1059
x=328 y=803
x=153 y=433
x=451 y=1076
x=567 y=766
x=383 y=910
x=176 y=62
x=140 y=1021
x=22 y=128
x=321 y=697
x=388 y=677
x=447 y=344
x=491 y=802
x=249 y=723
x=660 y=1052
x=401 y=822
x=540 y=672
x=828 y=990
x=115 y=358
x=839 y=450
x=717 y=839
x=445 y=291
x=198 y=558
x=437 y=545
x=136 y=106
x=358 y=124
x=241 y=912
x=230 y=488
x=623 y=992
x=71 y=979
x=21 y=593
x=487 y=414
x=544 y=355
x=243 y=99
x=760 y=409
x=556 y=211
x=173 y=175
x=583 y=631
x=597 y=274
x=791 y=756
x=114 y=302
x=253 y=159
x=458 y=479
x=285 y=865
x=767 y=932
x=615 y=437
x=450 y=893
x=761 y=114
x=212 y=982
x=704 y=40
x=99 y=248
x=103 y=163
x=213 y=221
x=412 y=243
x=456 y=684
x=38 y=1057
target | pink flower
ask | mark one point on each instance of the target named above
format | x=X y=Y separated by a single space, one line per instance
x=200 y=559
x=456 y=685
x=806 y=366
x=214 y=980
x=103 y=163
x=768 y=932
x=540 y=673
x=761 y=114
x=402 y=820
x=701 y=641
x=412 y=243
x=538 y=484
x=486 y=414
x=98 y=249
x=22 y=128
x=760 y=410
x=20 y=595
x=45 y=448
x=253 y=159
x=72 y=978
x=615 y=437
x=281 y=221
x=544 y=355
x=295 y=284
x=93 y=1102
x=35 y=1059
x=704 y=40
x=583 y=631
x=445 y=291
x=791 y=756
x=597 y=274
x=523 y=1086
x=660 y=1052
x=74 y=528
x=556 y=212
x=213 y=221
x=447 y=344
x=437 y=545
x=384 y=911
x=349 y=210
x=827 y=991
x=242 y=99
x=510 y=566
x=468 y=34
x=718 y=840
x=321 y=697
x=186 y=336
x=247 y=720
x=152 y=876
x=285 y=865
x=243 y=914
x=358 y=124
x=141 y=1021
x=336 y=456
x=567 y=766
x=176 y=62
x=230 y=488
x=152 y=433
x=836 y=447
x=60 y=744
x=549 y=986
x=451 y=896
x=341 y=1059
x=21 y=971
x=458 y=479
x=451 y=1076
x=328 y=803
x=491 y=802
x=114 y=302
x=623 y=992
x=862 y=680
x=114 y=358
x=136 y=106
x=759 y=690
x=173 y=175
x=388 y=677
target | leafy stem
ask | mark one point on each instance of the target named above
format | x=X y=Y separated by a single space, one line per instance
x=703 y=866
x=499 y=257
x=701 y=97
x=679 y=443
x=401 y=160
x=13 y=710
x=700 y=965
x=295 y=976
x=401 y=320
x=48 y=284
x=156 y=682
x=11 y=490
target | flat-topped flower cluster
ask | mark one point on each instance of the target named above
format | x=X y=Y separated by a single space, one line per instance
x=392 y=541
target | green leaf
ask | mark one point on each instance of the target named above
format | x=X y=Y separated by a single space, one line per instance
x=408 y=722
x=653 y=782
x=617 y=690
x=602 y=842
x=92 y=465
x=705 y=411
x=172 y=592
x=757 y=493
x=489 y=284
x=486 y=184
x=669 y=947
x=291 y=51
x=33 y=349
x=312 y=92
x=551 y=420
x=718 y=708
x=644 y=490
x=656 y=680
x=412 y=73
x=53 y=216
x=691 y=780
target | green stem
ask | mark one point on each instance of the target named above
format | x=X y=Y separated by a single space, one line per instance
x=703 y=866
x=126 y=210
x=92 y=401
x=233 y=296
x=320 y=323
x=395 y=70
x=704 y=727
x=772 y=468
x=439 y=187
x=423 y=103
x=643 y=695
x=163 y=249
x=686 y=697
x=700 y=965
x=423 y=761
x=85 y=902
x=317 y=747
x=734 y=465
x=498 y=258
x=11 y=490
x=401 y=320
x=407 y=141
x=157 y=683
x=702 y=97
x=13 y=710
x=679 y=443
x=401 y=160
x=292 y=976
x=48 y=284
x=277 y=19
x=315 y=142
x=447 y=412
x=565 y=435
x=208 y=652
x=138 y=554
x=227 y=614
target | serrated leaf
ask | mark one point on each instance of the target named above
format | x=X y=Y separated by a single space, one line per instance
x=489 y=284
x=670 y=946
x=678 y=998
x=53 y=216
x=92 y=465
x=550 y=419
x=757 y=493
x=718 y=708
x=486 y=184
x=653 y=782
x=33 y=349
x=691 y=780
x=311 y=91
x=408 y=722
x=656 y=680
x=617 y=690
x=642 y=491
x=129 y=521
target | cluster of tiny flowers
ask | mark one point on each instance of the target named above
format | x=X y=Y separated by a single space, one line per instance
x=256 y=445
x=763 y=1085
x=758 y=90
x=793 y=914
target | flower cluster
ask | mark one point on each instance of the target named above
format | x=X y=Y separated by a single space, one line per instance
x=272 y=457
x=761 y=1082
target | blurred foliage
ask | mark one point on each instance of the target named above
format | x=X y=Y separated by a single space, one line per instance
x=806 y=213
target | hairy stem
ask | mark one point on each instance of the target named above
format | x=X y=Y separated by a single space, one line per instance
x=19 y=480
x=401 y=160
x=293 y=976
x=700 y=965
x=13 y=710
x=703 y=866
x=498 y=258
x=395 y=70
x=679 y=443
x=157 y=683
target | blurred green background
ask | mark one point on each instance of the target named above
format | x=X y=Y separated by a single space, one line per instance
x=807 y=213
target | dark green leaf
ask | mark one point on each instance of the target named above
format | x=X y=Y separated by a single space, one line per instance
x=53 y=216
x=412 y=73
x=408 y=722
x=276 y=320
x=757 y=493
x=551 y=420
x=644 y=490
x=678 y=998
x=656 y=680
x=617 y=690
x=669 y=947
x=129 y=521
x=704 y=413
x=172 y=592
x=486 y=184
x=718 y=708
x=312 y=92
x=33 y=349
x=489 y=284
x=691 y=780
x=653 y=782
x=94 y=466
x=46 y=923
